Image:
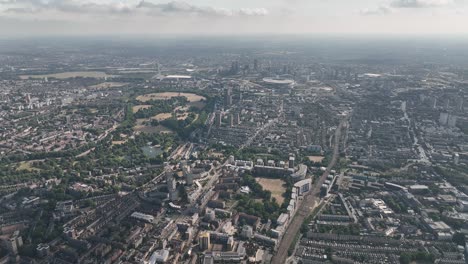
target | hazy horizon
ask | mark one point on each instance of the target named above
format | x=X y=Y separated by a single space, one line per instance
x=391 y=50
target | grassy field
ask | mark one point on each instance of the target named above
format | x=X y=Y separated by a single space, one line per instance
x=141 y=127
x=180 y=112
x=137 y=108
x=106 y=85
x=168 y=95
x=184 y=116
x=66 y=75
x=199 y=104
x=316 y=159
x=215 y=155
x=26 y=166
x=163 y=116
x=275 y=186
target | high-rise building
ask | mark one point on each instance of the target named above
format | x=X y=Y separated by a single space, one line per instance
x=236 y=119
x=171 y=183
x=235 y=67
x=167 y=171
x=14 y=243
x=447 y=103
x=324 y=190
x=434 y=103
x=204 y=240
x=173 y=192
x=456 y=158
x=247 y=231
x=188 y=175
x=443 y=118
x=27 y=98
x=228 y=97
x=231 y=120
x=210 y=215
x=42 y=250
x=69 y=232
x=452 y=121
x=291 y=162
x=460 y=104
x=218 y=118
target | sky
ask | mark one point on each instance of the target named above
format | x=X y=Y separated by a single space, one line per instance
x=232 y=17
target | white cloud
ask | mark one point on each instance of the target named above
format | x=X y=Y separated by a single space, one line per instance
x=254 y=11
x=143 y=7
x=175 y=7
x=421 y=3
x=381 y=10
x=87 y=17
x=395 y=5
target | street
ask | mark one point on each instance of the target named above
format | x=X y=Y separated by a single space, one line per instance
x=311 y=200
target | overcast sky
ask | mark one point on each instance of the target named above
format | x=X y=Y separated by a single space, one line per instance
x=153 y=17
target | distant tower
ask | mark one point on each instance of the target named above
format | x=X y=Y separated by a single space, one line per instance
x=443 y=118
x=256 y=65
x=228 y=97
x=452 y=121
x=231 y=120
x=460 y=103
x=456 y=158
x=68 y=118
x=218 y=118
x=27 y=98
x=434 y=103
x=237 y=119
x=235 y=67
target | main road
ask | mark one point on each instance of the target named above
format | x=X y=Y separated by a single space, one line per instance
x=308 y=204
